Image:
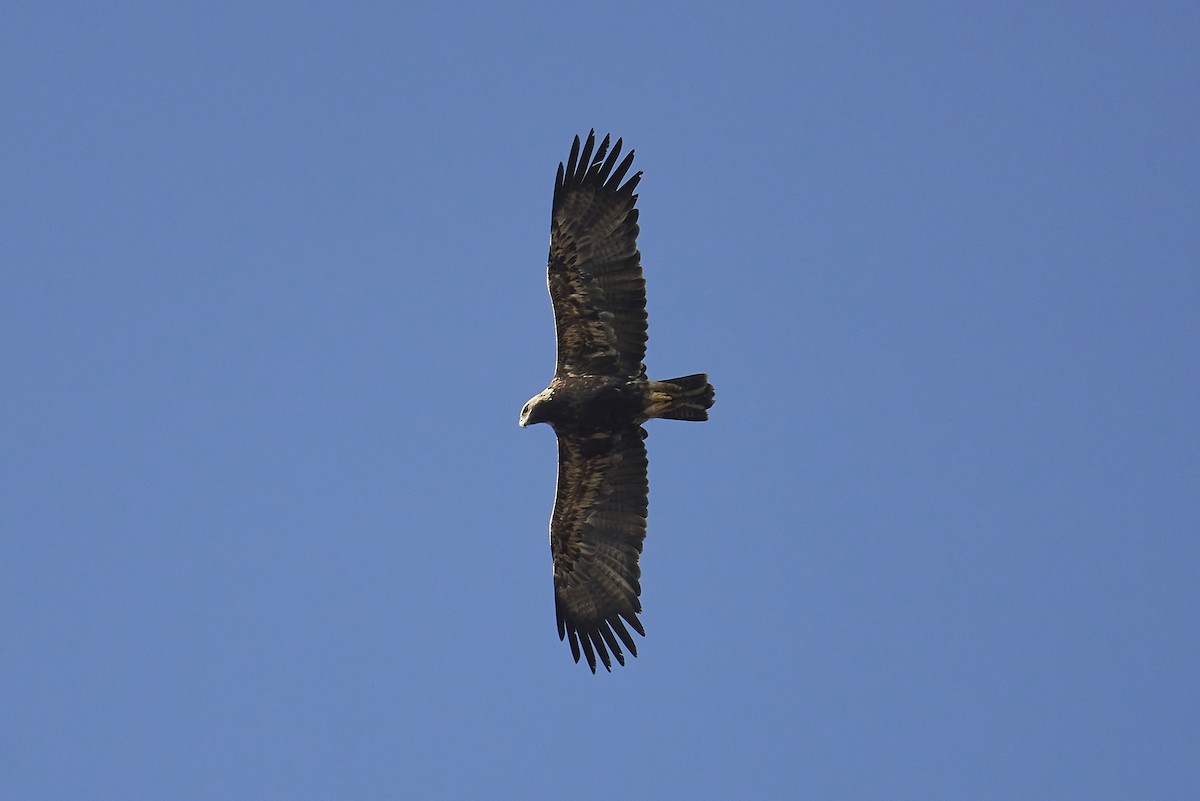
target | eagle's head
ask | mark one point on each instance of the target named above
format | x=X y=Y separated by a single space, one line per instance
x=536 y=410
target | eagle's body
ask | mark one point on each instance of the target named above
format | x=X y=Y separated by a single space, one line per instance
x=597 y=401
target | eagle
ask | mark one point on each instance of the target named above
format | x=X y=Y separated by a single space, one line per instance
x=598 y=400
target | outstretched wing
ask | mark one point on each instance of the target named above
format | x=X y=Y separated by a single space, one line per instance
x=595 y=270
x=596 y=535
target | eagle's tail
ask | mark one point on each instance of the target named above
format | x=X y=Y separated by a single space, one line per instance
x=690 y=397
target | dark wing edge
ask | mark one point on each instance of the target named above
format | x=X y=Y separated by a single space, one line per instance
x=595 y=271
x=596 y=535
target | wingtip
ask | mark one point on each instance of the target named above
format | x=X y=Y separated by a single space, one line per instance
x=588 y=162
x=600 y=643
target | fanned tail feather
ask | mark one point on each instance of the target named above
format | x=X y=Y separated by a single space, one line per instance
x=694 y=395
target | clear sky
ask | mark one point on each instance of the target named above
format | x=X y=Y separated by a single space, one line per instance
x=272 y=297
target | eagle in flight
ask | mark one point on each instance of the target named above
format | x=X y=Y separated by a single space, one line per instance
x=598 y=400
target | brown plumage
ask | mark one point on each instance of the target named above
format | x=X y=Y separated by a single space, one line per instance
x=597 y=401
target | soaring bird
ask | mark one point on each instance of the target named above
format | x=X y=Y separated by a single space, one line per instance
x=598 y=399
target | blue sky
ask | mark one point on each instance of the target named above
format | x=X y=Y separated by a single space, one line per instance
x=272 y=296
